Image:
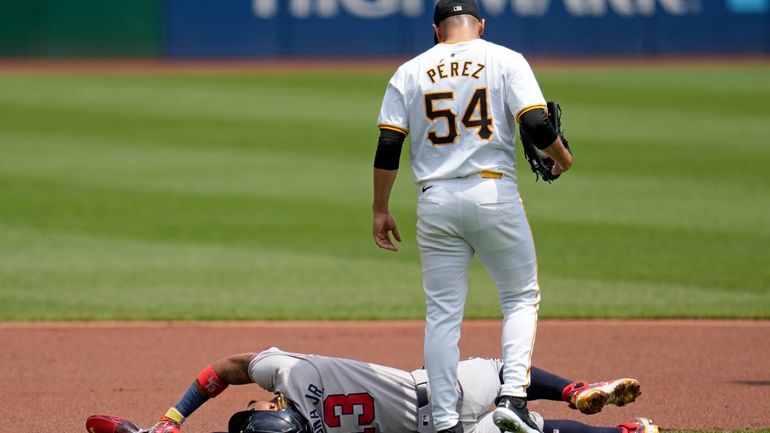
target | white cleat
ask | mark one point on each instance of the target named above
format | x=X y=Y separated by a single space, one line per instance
x=592 y=398
x=639 y=425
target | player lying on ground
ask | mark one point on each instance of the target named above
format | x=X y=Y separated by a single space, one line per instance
x=317 y=394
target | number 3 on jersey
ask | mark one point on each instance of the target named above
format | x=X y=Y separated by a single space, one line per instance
x=476 y=116
x=337 y=405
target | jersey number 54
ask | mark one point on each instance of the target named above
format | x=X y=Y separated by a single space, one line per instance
x=476 y=116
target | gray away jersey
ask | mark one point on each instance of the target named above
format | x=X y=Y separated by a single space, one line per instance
x=340 y=395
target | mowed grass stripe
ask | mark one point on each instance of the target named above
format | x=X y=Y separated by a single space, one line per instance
x=134 y=279
x=248 y=197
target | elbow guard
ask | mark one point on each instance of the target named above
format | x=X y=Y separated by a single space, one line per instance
x=535 y=125
x=389 y=149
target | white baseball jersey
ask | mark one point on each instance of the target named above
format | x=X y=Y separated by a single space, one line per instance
x=339 y=395
x=460 y=103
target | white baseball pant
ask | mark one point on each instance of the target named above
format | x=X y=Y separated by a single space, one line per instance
x=455 y=219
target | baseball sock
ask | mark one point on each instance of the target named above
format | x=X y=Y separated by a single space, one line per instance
x=190 y=402
x=569 y=426
x=546 y=386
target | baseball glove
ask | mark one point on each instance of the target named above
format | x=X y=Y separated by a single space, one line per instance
x=540 y=162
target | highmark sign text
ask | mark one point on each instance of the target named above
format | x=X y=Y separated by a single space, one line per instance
x=372 y=9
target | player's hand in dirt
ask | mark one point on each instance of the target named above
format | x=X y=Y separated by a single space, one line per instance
x=165 y=425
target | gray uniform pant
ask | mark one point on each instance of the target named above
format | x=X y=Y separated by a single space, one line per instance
x=478 y=385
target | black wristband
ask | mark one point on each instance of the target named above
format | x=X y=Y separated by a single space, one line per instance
x=538 y=129
x=389 y=149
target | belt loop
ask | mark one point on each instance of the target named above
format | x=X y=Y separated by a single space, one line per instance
x=486 y=174
x=421 y=388
x=422 y=394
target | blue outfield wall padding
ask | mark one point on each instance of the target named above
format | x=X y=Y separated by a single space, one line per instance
x=717 y=30
x=349 y=28
x=767 y=32
x=202 y=28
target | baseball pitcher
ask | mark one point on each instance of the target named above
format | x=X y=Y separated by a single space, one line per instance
x=461 y=101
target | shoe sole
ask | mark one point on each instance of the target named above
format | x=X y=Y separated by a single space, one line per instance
x=619 y=392
x=626 y=391
x=506 y=420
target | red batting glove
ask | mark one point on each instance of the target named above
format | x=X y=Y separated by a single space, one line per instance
x=165 y=425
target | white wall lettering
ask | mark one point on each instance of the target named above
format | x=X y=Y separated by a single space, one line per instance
x=530 y=7
x=373 y=9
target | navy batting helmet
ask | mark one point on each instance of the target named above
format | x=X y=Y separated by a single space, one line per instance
x=268 y=421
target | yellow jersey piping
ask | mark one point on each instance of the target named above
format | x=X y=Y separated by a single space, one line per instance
x=393 y=128
x=529 y=108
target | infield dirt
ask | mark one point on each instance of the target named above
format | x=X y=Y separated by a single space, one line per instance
x=701 y=375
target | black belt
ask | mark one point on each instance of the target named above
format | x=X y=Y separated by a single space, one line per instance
x=422 y=394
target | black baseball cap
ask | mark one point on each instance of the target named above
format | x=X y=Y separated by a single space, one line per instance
x=447 y=8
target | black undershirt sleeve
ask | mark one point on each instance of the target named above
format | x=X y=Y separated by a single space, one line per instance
x=537 y=128
x=389 y=149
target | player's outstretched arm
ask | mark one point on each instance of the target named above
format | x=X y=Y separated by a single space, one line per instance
x=234 y=370
x=210 y=382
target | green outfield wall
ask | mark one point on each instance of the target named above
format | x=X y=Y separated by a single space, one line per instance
x=81 y=28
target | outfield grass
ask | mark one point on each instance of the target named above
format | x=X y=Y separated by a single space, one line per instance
x=248 y=197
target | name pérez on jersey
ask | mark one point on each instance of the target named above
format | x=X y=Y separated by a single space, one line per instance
x=454 y=69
